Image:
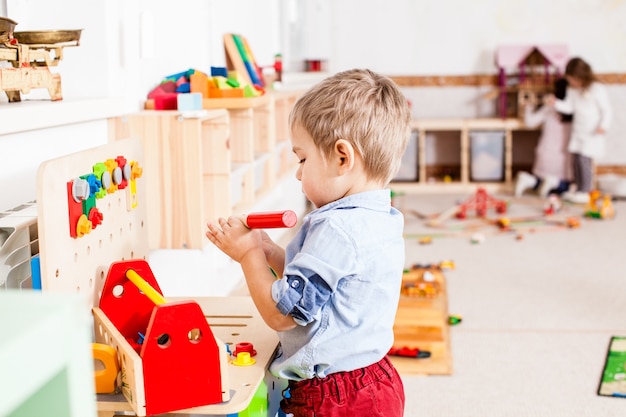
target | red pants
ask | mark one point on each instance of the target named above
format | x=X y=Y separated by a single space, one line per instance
x=375 y=390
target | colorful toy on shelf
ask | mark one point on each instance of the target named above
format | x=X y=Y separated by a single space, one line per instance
x=604 y=211
x=239 y=57
x=186 y=90
x=171 y=360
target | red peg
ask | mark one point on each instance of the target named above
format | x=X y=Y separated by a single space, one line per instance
x=271 y=220
x=244 y=347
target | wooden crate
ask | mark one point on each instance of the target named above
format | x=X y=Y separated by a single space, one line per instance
x=422 y=323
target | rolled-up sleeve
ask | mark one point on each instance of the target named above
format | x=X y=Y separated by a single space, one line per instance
x=327 y=256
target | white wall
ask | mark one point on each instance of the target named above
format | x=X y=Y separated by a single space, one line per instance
x=459 y=37
x=128 y=46
x=412 y=37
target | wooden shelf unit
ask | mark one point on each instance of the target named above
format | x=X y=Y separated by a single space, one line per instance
x=514 y=130
x=208 y=164
x=422 y=322
x=187 y=165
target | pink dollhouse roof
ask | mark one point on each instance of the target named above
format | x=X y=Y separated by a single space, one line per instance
x=510 y=56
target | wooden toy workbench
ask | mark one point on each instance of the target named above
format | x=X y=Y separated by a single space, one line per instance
x=77 y=251
x=232 y=320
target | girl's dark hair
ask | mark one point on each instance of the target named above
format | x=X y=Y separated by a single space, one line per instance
x=578 y=68
x=560 y=89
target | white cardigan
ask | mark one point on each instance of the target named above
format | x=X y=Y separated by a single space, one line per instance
x=591 y=110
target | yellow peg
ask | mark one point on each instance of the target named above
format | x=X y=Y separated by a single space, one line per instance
x=146 y=288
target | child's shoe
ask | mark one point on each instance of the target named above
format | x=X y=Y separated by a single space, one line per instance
x=524 y=182
x=578 y=197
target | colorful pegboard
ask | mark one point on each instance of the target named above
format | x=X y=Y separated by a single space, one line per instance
x=79 y=264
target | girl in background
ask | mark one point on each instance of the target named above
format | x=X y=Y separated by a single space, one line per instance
x=588 y=102
x=552 y=170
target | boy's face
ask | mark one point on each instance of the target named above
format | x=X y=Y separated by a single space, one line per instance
x=317 y=175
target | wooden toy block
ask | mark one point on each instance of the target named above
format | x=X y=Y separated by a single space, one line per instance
x=163 y=88
x=166 y=101
x=183 y=88
x=221 y=71
x=179 y=75
x=215 y=92
x=221 y=83
x=232 y=93
x=250 y=91
x=233 y=82
x=199 y=83
x=190 y=101
x=234 y=59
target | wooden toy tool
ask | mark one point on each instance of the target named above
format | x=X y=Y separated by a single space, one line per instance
x=271 y=219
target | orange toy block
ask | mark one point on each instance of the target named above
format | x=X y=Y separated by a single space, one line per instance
x=200 y=84
x=215 y=92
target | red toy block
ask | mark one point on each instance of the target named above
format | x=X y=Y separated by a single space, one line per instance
x=163 y=88
x=167 y=101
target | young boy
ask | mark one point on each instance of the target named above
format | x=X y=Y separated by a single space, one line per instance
x=334 y=304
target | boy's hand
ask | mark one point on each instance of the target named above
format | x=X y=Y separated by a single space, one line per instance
x=233 y=237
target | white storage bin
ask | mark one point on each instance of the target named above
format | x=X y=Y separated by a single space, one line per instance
x=486 y=155
x=409 y=166
x=612 y=184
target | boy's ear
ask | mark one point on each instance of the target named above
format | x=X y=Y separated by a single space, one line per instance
x=344 y=154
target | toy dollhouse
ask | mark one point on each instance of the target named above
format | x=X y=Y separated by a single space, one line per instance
x=526 y=73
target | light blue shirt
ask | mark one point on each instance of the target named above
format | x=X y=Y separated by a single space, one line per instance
x=341 y=284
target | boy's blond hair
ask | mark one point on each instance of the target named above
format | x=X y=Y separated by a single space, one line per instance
x=364 y=108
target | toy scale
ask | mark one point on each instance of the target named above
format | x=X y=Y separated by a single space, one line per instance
x=31 y=54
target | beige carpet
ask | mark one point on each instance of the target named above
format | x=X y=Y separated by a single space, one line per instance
x=538 y=312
